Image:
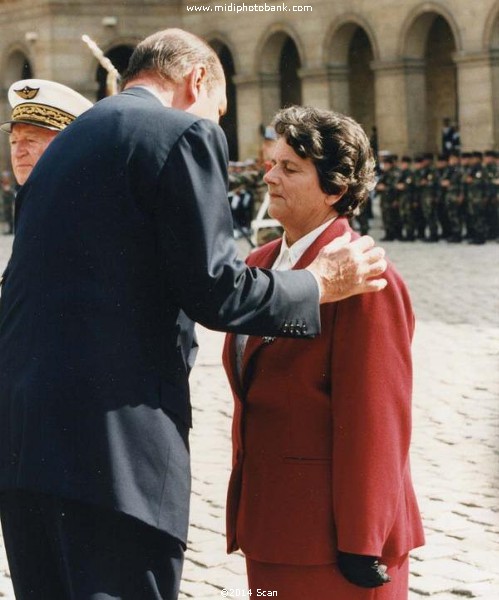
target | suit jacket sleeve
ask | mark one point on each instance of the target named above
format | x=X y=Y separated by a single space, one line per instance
x=199 y=261
x=371 y=396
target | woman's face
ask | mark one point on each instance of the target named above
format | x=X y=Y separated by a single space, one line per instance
x=296 y=198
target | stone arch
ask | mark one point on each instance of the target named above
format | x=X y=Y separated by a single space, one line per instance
x=431 y=38
x=338 y=39
x=416 y=27
x=17 y=65
x=218 y=41
x=491 y=30
x=279 y=61
x=229 y=121
x=350 y=52
x=119 y=54
x=270 y=45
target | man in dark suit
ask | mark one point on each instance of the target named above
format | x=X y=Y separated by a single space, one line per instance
x=123 y=235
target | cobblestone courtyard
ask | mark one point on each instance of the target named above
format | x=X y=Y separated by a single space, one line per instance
x=455 y=290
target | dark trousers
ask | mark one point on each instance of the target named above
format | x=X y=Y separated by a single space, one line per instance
x=61 y=549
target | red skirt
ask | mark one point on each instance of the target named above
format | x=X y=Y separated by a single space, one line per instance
x=324 y=582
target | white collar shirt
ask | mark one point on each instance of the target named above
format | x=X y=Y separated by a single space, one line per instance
x=290 y=255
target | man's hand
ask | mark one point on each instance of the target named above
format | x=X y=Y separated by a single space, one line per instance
x=364 y=571
x=344 y=268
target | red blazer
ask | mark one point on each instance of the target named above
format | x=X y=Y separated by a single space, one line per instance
x=321 y=431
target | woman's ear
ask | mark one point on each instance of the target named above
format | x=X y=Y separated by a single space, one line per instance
x=332 y=199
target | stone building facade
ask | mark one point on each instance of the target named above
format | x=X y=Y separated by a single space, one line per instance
x=400 y=65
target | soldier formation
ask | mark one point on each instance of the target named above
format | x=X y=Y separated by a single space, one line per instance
x=451 y=197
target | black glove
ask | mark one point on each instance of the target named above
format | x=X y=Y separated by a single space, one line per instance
x=361 y=570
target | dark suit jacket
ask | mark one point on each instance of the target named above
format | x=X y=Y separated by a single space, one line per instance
x=123 y=223
x=322 y=429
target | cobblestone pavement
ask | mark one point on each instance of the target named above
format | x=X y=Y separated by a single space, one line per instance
x=455 y=290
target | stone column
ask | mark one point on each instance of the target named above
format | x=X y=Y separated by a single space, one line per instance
x=270 y=94
x=391 y=92
x=315 y=87
x=249 y=114
x=339 y=91
x=494 y=71
x=415 y=99
x=477 y=121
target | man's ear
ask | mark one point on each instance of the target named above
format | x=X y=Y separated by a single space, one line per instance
x=195 y=79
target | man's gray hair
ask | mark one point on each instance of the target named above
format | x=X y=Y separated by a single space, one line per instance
x=172 y=54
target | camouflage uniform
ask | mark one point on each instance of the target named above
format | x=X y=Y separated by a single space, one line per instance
x=452 y=182
x=386 y=187
x=419 y=175
x=465 y=212
x=441 y=192
x=428 y=184
x=363 y=220
x=406 y=193
x=477 y=200
x=492 y=184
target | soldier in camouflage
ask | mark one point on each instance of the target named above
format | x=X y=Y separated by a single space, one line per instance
x=386 y=188
x=405 y=192
x=492 y=184
x=428 y=184
x=477 y=199
x=452 y=183
x=442 y=216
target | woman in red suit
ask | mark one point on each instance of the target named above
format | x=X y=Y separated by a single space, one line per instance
x=320 y=498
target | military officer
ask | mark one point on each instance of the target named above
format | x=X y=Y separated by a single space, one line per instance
x=40 y=110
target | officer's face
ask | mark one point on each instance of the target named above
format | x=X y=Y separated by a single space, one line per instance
x=27 y=144
x=296 y=198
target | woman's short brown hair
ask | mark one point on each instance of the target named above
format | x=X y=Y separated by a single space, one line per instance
x=339 y=149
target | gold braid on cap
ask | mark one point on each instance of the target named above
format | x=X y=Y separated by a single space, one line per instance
x=43 y=114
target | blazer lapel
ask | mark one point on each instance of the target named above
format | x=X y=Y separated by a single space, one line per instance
x=263 y=260
x=337 y=228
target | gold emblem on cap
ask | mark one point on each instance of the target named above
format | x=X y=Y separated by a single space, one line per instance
x=27 y=93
